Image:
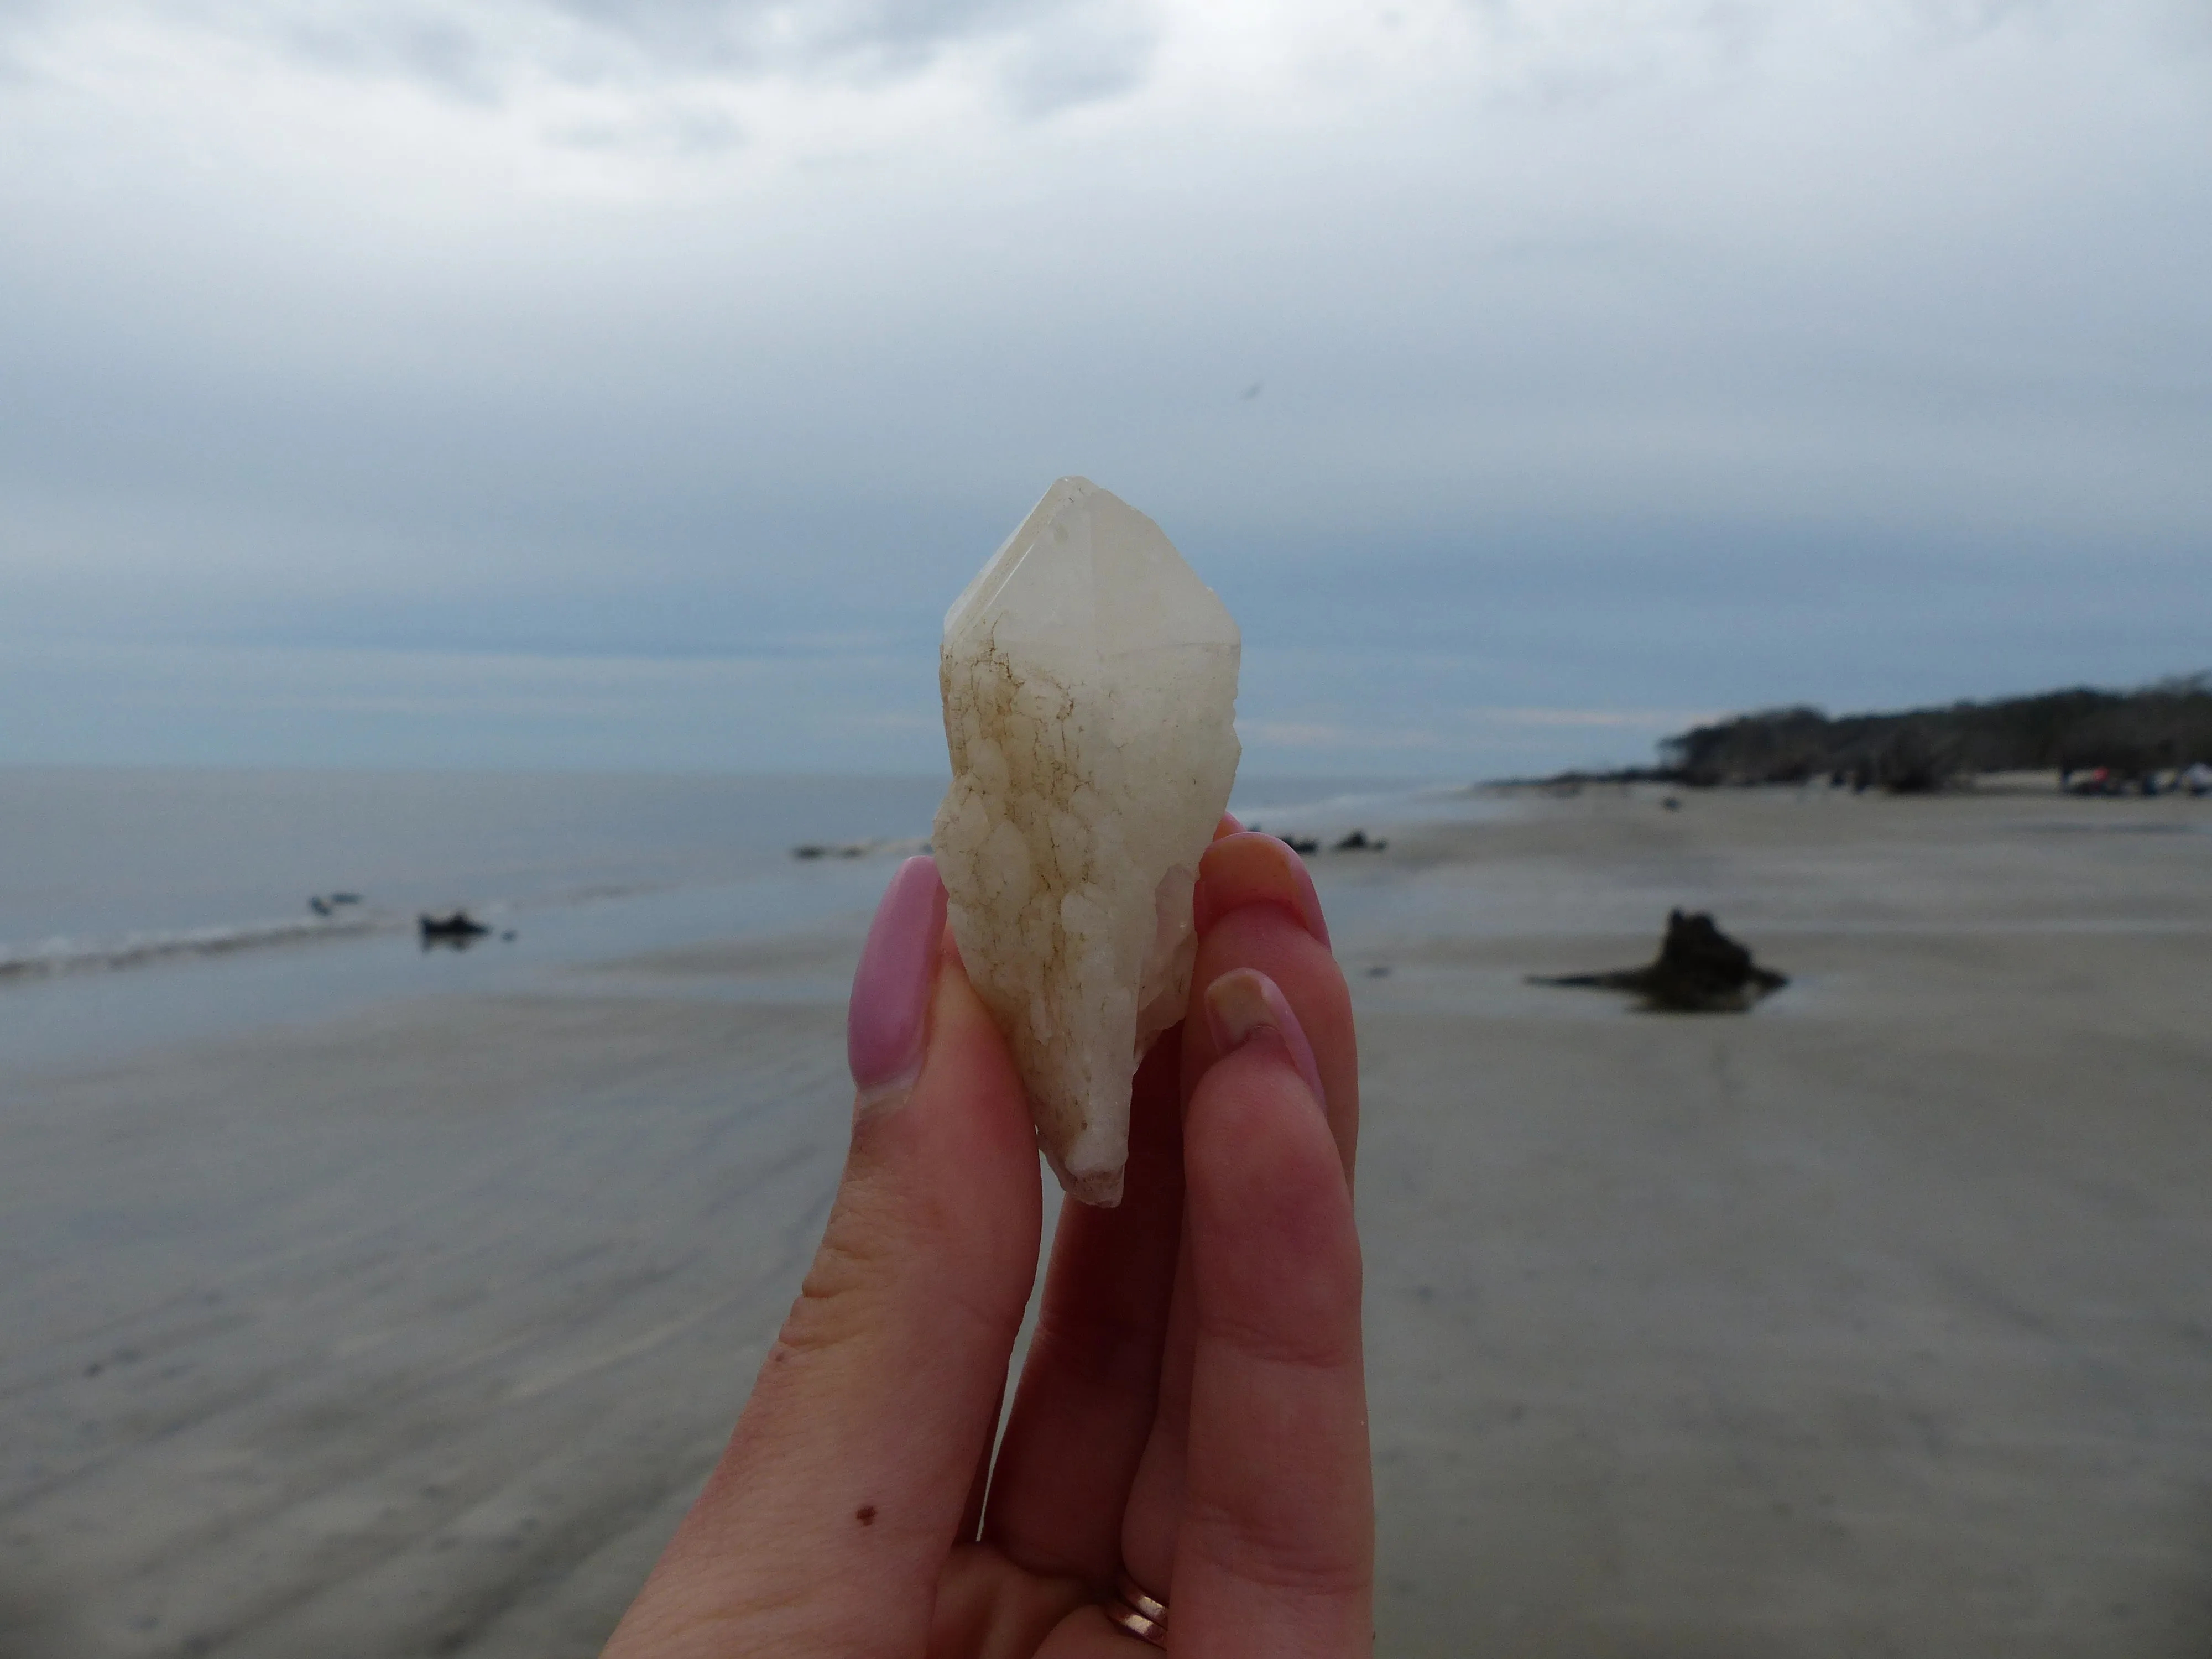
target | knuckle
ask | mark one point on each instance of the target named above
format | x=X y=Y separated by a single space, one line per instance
x=833 y=1306
x=872 y=1270
x=1278 y=1550
x=1313 y=1343
x=1292 y=1307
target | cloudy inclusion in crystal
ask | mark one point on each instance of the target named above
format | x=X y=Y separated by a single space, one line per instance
x=1090 y=683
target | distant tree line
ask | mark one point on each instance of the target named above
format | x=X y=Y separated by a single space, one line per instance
x=2131 y=734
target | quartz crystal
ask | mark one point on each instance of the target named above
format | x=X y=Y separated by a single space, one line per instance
x=1090 y=683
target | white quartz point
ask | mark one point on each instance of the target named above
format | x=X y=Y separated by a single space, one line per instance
x=1090 y=704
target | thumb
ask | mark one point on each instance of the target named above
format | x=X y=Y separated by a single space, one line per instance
x=827 y=1521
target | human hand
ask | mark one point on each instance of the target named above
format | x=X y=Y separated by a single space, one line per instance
x=1192 y=1411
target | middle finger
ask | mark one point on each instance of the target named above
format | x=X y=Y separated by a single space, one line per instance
x=1088 y=1391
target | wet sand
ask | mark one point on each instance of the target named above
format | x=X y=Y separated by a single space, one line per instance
x=1875 y=1322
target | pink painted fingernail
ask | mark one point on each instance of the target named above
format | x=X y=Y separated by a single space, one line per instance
x=1245 y=1003
x=889 y=1014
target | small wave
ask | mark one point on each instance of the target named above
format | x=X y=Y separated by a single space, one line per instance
x=876 y=847
x=1401 y=804
x=73 y=956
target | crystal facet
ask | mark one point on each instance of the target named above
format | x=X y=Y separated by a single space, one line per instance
x=1090 y=684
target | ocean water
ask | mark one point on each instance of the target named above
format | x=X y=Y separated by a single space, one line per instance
x=138 y=906
x=98 y=866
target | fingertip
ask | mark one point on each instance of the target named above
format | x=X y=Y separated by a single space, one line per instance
x=887 y=1014
x=1244 y=1005
x=967 y=1093
x=1249 y=867
x=1265 y=936
x=942 y=1167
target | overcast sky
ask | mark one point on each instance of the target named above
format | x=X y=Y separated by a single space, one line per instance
x=575 y=383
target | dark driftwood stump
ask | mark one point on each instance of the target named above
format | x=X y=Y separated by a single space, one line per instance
x=1699 y=970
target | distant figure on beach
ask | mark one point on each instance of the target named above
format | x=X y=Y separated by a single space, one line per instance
x=1187 y=1450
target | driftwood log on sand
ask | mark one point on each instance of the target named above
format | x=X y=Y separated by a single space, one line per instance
x=1699 y=969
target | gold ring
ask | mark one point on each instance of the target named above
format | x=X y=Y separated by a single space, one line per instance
x=1145 y=1617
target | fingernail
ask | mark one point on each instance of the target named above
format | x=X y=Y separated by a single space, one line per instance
x=889 y=1014
x=1245 y=1003
x=1252 y=867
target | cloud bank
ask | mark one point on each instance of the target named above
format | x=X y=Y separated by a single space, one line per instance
x=1613 y=357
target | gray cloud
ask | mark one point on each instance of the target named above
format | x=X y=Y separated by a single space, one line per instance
x=1083 y=54
x=18 y=19
x=1784 y=354
x=887 y=34
x=1059 y=51
x=445 y=53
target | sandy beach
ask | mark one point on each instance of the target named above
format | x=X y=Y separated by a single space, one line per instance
x=1875 y=1322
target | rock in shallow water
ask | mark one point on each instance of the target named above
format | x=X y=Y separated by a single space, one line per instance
x=1090 y=683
